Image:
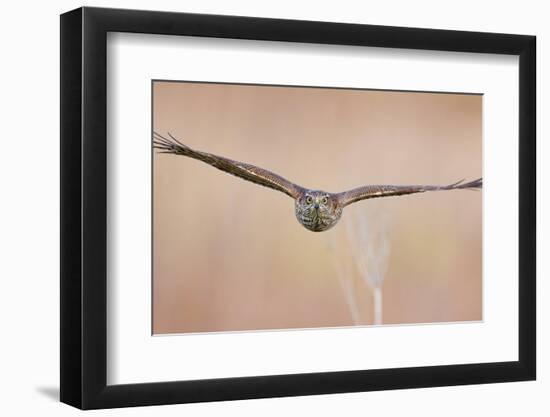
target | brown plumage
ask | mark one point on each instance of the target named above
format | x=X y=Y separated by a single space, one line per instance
x=315 y=210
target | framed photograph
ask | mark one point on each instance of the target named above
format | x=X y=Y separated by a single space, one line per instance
x=257 y=208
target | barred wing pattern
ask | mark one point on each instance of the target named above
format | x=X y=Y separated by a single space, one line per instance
x=376 y=191
x=240 y=169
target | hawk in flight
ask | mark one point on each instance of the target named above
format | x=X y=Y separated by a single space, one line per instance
x=315 y=210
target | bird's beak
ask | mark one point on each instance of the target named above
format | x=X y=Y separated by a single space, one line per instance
x=316 y=204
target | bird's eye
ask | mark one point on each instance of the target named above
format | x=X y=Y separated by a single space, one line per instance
x=324 y=200
x=309 y=199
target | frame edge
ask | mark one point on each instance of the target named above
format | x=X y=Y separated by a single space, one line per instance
x=527 y=271
x=70 y=208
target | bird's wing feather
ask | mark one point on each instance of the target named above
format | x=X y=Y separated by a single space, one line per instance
x=376 y=191
x=240 y=169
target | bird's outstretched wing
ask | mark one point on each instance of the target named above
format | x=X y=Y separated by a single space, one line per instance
x=375 y=191
x=240 y=169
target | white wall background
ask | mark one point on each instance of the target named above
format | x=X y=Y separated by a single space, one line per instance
x=29 y=237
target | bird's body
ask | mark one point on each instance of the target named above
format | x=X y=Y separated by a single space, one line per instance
x=316 y=210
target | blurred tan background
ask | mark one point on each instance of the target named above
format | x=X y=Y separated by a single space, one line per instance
x=230 y=255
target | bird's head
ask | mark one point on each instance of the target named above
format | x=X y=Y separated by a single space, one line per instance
x=317 y=210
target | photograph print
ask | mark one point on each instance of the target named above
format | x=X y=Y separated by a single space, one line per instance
x=296 y=207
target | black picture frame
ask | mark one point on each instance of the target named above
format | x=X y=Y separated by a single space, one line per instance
x=84 y=207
